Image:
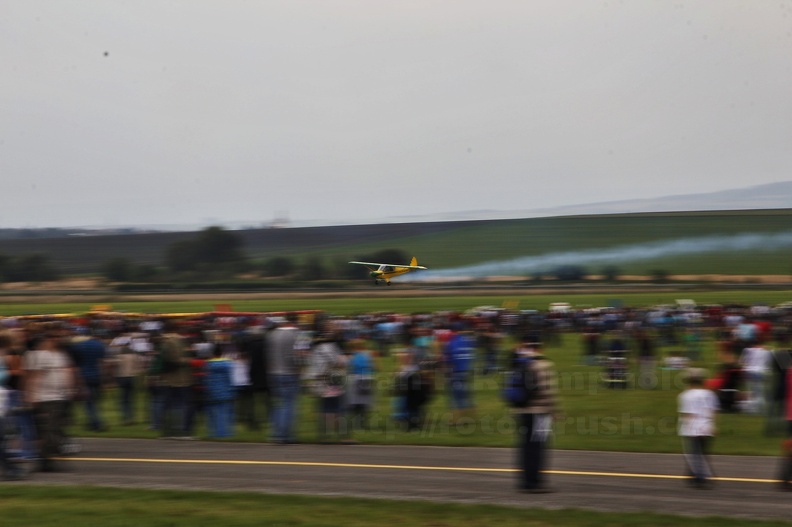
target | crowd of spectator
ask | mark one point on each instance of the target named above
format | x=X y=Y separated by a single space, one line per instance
x=205 y=375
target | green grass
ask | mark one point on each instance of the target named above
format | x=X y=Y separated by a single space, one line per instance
x=420 y=303
x=21 y=507
x=505 y=239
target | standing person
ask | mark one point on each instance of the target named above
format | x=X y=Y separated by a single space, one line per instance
x=423 y=344
x=591 y=345
x=243 y=386
x=646 y=358
x=284 y=380
x=220 y=395
x=460 y=356
x=49 y=384
x=90 y=354
x=788 y=401
x=154 y=388
x=697 y=409
x=128 y=368
x=786 y=445
x=411 y=392
x=252 y=345
x=489 y=340
x=755 y=361
x=176 y=379
x=692 y=339
x=360 y=392
x=786 y=465
x=200 y=352
x=534 y=419
x=782 y=360
x=5 y=374
x=327 y=377
x=22 y=415
x=10 y=469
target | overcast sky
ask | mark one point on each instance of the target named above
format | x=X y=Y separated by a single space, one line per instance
x=163 y=112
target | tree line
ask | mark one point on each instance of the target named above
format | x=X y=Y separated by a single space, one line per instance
x=219 y=254
x=27 y=268
x=216 y=253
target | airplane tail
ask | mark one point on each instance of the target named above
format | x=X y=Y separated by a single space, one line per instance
x=414 y=261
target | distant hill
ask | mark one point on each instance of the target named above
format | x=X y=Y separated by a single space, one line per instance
x=768 y=196
x=21 y=234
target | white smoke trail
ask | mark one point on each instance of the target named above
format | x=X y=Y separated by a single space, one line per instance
x=615 y=255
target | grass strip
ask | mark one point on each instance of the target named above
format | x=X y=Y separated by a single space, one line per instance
x=22 y=505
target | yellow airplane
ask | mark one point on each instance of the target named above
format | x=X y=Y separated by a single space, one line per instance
x=384 y=272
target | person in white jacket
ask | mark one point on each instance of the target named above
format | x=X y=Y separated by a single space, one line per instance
x=698 y=408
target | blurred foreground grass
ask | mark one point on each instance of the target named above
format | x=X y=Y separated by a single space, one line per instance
x=21 y=506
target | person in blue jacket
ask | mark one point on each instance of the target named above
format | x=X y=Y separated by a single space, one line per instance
x=460 y=356
x=219 y=396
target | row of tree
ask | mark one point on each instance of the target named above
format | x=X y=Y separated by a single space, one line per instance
x=27 y=268
x=215 y=253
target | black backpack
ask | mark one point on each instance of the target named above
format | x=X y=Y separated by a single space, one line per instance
x=521 y=384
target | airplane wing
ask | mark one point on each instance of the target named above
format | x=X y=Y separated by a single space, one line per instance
x=389 y=265
x=367 y=264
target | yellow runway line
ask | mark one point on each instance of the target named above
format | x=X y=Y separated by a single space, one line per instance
x=405 y=467
x=294 y=464
x=653 y=476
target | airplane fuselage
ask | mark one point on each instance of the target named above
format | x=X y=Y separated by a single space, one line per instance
x=384 y=272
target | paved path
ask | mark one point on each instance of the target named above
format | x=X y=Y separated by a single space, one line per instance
x=593 y=480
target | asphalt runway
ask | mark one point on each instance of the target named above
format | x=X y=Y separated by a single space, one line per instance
x=606 y=481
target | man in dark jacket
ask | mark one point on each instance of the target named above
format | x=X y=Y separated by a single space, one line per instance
x=176 y=378
x=534 y=420
x=90 y=354
x=253 y=347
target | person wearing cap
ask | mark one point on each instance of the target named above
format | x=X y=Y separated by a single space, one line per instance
x=698 y=407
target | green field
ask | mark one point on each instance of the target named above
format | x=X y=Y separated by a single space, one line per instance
x=452 y=244
x=415 y=301
x=20 y=506
x=499 y=240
